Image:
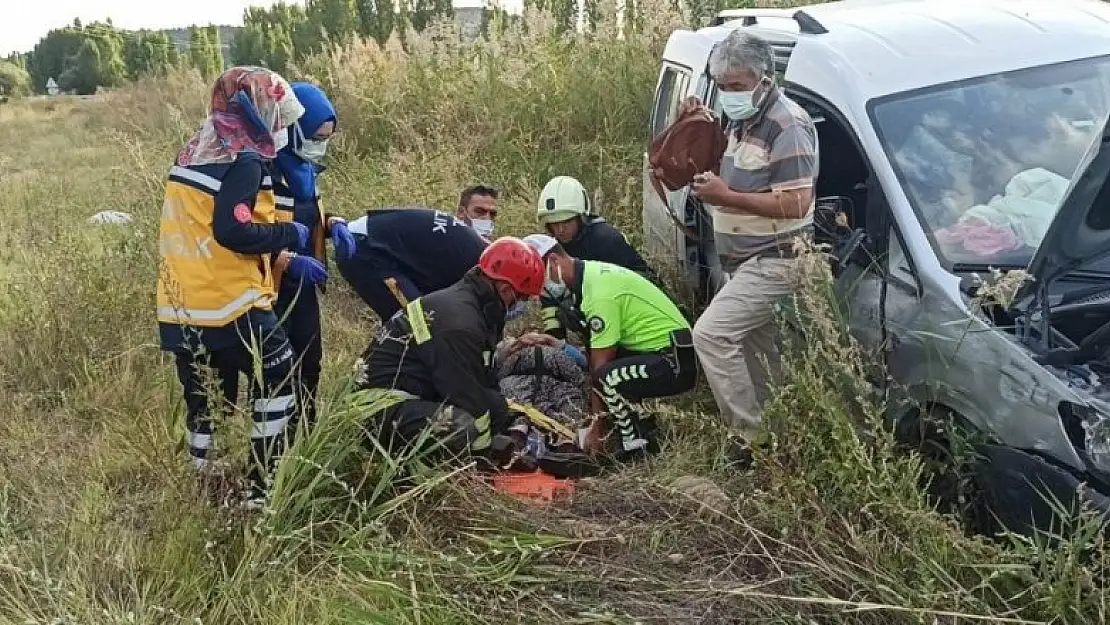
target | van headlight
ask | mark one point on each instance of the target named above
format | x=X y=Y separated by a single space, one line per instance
x=1098 y=444
x=1088 y=430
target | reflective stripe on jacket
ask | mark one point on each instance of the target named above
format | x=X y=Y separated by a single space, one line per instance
x=201 y=283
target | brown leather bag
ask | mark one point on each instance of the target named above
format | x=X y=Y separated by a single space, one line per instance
x=693 y=144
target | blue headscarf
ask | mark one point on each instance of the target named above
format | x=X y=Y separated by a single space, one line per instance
x=300 y=175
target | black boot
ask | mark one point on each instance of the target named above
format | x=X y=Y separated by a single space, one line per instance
x=569 y=465
x=645 y=429
x=738 y=454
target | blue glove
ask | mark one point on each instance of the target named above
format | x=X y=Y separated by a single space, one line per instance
x=576 y=355
x=302 y=234
x=307 y=268
x=342 y=239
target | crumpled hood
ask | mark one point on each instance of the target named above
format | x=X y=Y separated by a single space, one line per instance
x=1080 y=232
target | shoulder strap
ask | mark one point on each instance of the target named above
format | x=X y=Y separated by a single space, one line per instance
x=657 y=184
x=538 y=372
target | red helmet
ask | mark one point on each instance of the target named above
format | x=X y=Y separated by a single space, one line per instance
x=511 y=260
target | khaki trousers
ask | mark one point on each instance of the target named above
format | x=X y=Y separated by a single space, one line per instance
x=736 y=332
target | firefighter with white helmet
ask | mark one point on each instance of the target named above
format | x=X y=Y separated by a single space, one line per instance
x=566 y=213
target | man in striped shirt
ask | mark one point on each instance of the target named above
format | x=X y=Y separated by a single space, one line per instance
x=760 y=203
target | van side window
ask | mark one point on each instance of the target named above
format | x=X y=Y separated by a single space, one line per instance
x=672 y=90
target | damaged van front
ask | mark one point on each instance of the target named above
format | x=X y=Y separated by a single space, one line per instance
x=1020 y=348
x=1061 y=315
x=948 y=154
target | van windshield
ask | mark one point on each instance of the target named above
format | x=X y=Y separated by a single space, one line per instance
x=986 y=162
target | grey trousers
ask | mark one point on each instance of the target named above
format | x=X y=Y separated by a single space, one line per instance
x=736 y=332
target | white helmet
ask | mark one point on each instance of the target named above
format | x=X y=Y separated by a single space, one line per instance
x=562 y=198
x=542 y=243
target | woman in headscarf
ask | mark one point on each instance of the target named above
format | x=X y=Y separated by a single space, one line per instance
x=298 y=199
x=220 y=244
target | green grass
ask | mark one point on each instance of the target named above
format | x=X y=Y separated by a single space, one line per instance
x=101 y=521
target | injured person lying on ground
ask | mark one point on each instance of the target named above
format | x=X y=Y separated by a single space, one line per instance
x=443 y=376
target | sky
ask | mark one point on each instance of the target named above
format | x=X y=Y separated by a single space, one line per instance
x=20 y=30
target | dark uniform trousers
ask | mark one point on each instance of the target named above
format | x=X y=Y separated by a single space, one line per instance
x=437 y=429
x=273 y=397
x=298 y=309
x=378 y=281
x=433 y=428
x=635 y=376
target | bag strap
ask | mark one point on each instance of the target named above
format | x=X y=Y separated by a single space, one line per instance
x=538 y=371
x=657 y=184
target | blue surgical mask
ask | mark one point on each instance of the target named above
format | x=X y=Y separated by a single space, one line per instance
x=555 y=290
x=515 y=311
x=738 y=104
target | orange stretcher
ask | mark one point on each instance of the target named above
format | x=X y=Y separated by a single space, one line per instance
x=536 y=487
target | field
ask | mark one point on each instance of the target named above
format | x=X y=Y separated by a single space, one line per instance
x=102 y=522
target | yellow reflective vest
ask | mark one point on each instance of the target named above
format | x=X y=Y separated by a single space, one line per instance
x=201 y=283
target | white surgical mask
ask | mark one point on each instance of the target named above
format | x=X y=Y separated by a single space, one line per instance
x=738 y=104
x=281 y=139
x=515 y=311
x=311 y=150
x=556 y=289
x=483 y=227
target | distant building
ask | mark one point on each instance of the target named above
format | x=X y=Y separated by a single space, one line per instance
x=469 y=21
x=51 y=86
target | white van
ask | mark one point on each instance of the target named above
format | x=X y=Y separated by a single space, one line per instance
x=956 y=136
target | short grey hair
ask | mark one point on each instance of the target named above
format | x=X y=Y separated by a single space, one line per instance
x=740 y=52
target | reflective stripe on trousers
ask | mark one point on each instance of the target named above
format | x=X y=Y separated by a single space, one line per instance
x=274 y=404
x=640 y=376
x=623 y=414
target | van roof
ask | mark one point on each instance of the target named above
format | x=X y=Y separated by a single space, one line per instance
x=897 y=45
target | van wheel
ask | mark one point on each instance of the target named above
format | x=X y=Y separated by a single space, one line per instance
x=945 y=442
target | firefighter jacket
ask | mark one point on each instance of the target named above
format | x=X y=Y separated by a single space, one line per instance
x=440 y=348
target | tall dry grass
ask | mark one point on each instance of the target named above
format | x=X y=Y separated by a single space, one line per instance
x=101 y=522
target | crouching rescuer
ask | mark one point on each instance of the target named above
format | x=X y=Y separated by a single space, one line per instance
x=431 y=365
x=640 y=345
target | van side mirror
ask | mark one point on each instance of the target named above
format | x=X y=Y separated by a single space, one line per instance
x=832 y=217
x=854 y=249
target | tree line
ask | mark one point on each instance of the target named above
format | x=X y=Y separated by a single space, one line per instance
x=283 y=34
x=83 y=57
